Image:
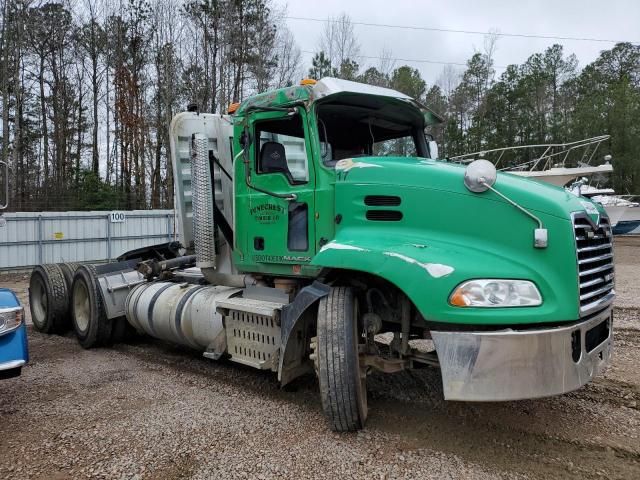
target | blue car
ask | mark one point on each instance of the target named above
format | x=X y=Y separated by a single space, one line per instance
x=14 y=353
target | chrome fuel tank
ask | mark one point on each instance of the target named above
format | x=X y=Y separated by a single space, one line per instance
x=180 y=313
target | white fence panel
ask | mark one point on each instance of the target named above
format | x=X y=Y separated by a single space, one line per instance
x=30 y=238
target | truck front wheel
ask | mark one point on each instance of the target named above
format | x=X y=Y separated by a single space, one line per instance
x=343 y=388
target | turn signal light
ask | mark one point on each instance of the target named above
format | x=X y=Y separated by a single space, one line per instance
x=232 y=108
x=308 y=81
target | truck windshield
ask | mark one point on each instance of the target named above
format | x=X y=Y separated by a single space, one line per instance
x=369 y=128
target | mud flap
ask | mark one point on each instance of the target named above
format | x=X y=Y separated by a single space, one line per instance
x=293 y=338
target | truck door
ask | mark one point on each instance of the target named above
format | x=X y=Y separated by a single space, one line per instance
x=278 y=230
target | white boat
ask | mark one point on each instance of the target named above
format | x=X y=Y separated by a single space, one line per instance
x=561 y=176
x=619 y=208
x=561 y=164
x=555 y=163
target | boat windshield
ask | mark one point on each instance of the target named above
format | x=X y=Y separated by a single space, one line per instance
x=370 y=127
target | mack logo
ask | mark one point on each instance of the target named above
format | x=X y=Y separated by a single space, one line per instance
x=593 y=211
x=280 y=258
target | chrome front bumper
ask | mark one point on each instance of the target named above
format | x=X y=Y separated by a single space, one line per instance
x=518 y=364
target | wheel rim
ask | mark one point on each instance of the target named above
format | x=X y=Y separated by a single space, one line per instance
x=81 y=306
x=362 y=370
x=38 y=301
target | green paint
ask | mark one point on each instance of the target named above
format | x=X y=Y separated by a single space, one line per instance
x=446 y=235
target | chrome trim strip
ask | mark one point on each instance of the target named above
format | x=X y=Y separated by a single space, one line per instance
x=595 y=247
x=588 y=295
x=595 y=237
x=596 y=270
x=606 y=256
x=593 y=282
x=518 y=364
x=603 y=302
x=12 y=364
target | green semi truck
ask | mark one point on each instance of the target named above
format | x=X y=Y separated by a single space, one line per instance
x=319 y=233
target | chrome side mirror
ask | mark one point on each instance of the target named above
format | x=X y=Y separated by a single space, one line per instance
x=480 y=175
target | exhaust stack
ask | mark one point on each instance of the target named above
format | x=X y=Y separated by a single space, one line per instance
x=204 y=228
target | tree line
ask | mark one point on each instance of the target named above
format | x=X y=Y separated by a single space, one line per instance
x=547 y=99
x=89 y=88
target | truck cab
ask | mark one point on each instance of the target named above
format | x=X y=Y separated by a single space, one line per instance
x=512 y=279
x=322 y=236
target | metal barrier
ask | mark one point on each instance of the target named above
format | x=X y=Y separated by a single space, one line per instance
x=28 y=238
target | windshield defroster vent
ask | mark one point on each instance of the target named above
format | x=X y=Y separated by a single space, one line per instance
x=382 y=200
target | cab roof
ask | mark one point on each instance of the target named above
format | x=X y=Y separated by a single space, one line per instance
x=330 y=88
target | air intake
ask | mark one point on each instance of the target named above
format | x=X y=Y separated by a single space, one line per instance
x=382 y=200
x=595 y=262
x=384 y=215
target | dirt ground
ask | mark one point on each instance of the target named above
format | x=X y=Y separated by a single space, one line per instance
x=152 y=410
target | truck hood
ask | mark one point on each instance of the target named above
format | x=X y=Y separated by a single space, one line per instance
x=448 y=177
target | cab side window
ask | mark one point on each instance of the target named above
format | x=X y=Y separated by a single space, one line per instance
x=282 y=149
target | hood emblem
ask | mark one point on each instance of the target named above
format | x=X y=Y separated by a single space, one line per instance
x=593 y=213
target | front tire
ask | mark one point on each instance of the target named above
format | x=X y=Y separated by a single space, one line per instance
x=90 y=322
x=343 y=388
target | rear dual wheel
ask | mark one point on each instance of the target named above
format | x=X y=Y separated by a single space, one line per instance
x=49 y=299
x=68 y=271
x=343 y=387
x=89 y=319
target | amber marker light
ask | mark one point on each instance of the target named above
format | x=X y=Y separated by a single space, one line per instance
x=458 y=299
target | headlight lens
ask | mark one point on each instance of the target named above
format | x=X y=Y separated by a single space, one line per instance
x=496 y=293
x=10 y=319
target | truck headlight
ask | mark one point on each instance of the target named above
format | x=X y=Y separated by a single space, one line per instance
x=496 y=293
x=10 y=319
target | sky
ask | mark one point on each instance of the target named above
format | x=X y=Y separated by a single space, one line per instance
x=611 y=19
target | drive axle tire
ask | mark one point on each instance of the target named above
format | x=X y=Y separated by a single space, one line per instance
x=69 y=270
x=342 y=382
x=89 y=319
x=49 y=299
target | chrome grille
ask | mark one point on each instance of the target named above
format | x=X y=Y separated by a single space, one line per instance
x=594 y=246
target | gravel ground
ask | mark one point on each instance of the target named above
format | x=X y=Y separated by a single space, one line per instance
x=152 y=410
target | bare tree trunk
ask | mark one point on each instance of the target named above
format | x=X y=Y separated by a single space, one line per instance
x=17 y=88
x=45 y=127
x=4 y=50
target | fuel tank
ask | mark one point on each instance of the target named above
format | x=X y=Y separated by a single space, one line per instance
x=180 y=313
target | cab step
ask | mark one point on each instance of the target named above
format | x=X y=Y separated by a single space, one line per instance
x=253 y=331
